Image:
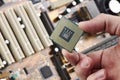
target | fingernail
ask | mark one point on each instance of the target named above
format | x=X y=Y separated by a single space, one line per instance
x=81 y=24
x=100 y=75
x=64 y=52
x=85 y=63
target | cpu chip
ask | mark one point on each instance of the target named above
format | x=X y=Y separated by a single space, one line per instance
x=66 y=34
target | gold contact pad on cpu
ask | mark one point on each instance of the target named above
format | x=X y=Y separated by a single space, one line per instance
x=66 y=34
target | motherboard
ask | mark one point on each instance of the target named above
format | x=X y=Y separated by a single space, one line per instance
x=26 y=50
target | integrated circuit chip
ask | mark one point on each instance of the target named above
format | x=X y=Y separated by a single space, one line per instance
x=46 y=72
x=66 y=34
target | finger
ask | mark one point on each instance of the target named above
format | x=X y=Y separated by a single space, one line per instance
x=96 y=57
x=83 y=68
x=99 y=75
x=87 y=63
x=84 y=63
x=103 y=22
x=73 y=58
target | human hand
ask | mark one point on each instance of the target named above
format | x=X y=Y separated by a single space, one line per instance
x=103 y=64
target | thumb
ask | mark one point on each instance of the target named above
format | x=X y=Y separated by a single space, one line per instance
x=73 y=58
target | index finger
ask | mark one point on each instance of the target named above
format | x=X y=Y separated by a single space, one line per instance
x=102 y=22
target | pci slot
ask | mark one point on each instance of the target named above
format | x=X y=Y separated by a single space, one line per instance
x=1 y=63
x=29 y=29
x=19 y=32
x=5 y=53
x=8 y=34
x=37 y=23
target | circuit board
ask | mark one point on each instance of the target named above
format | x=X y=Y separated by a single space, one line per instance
x=48 y=63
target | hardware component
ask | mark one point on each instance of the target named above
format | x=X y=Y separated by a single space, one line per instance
x=76 y=18
x=57 y=60
x=106 y=6
x=7 y=42
x=59 y=3
x=58 y=18
x=8 y=34
x=61 y=71
x=25 y=70
x=46 y=72
x=101 y=5
x=114 y=6
x=4 y=51
x=103 y=45
x=37 y=23
x=1 y=63
x=19 y=33
x=84 y=13
x=79 y=1
x=67 y=10
x=35 y=1
x=72 y=4
x=68 y=65
x=29 y=29
x=92 y=8
x=47 y=23
x=71 y=70
x=66 y=34
x=4 y=62
x=22 y=26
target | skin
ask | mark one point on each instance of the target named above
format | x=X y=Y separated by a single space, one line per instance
x=103 y=64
